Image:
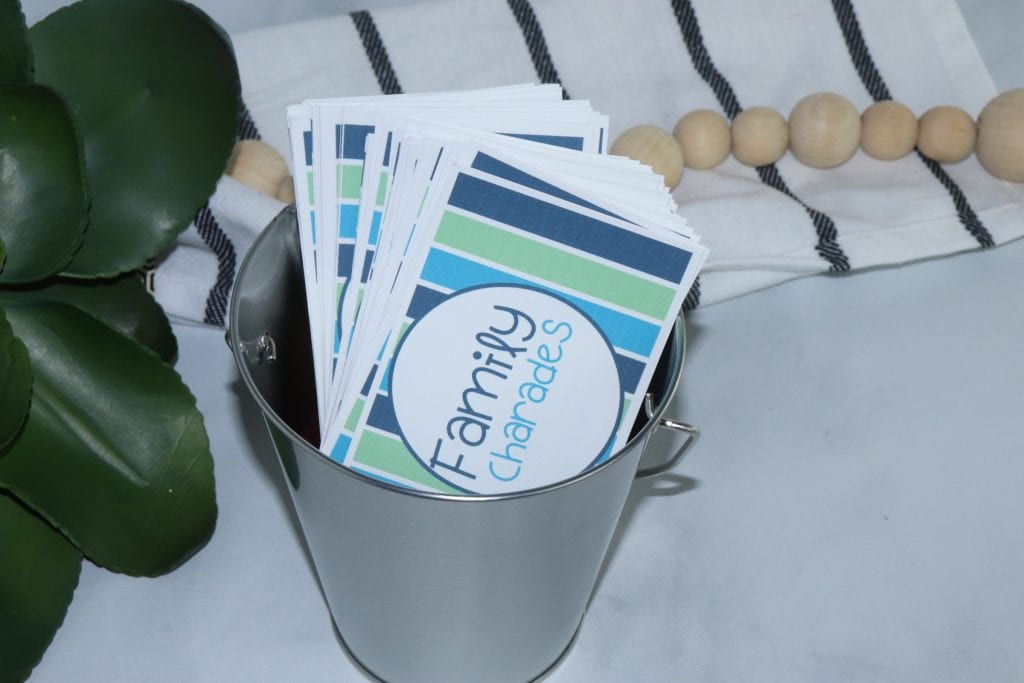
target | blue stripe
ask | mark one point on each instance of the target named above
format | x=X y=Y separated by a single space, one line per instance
x=600 y=141
x=367 y=266
x=568 y=227
x=340 y=449
x=312 y=223
x=346 y=252
x=348 y=217
x=353 y=144
x=374 y=228
x=374 y=475
x=489 y=164
x=387 y=151
x=337 y=142
x=368 y=384
x=630 y=370
x=567 y=141
x=307 y=144
x=454 y=272
x=382 y=416
x=423 y=300
x=385 y=379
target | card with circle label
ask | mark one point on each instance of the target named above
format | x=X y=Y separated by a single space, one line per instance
x=507 y=297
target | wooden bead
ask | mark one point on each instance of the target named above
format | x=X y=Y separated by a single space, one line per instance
x=1001 y=136
x=759 y=136
x=286 y=190
x=258 y=165
x=704 y=136
x=888 y=131
x=655 y=147
x=946 y=134
x=824 y=130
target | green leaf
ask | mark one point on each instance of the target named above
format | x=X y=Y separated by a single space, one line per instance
x=114 y=452
x=123 y=303
x=38 y=576
x=15 y=383
x=154 y=87
x=43 y=198
x=15 y=55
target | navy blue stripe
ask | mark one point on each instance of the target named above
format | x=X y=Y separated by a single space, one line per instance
x=692 y=300
x=879 y=91
x=368 y=384
x=367 y=265
x=630 y=371
x=424 y=299
x=373 y=45
x=535 y=43
x=215 y=238
x=246 y=126
x=387 y=150
x=828 y=246
x=488 y=164
x=568 y=227
x=382 y=415
x=353 y=141
x=307 y=144
x=346 y=253
x=566 y=141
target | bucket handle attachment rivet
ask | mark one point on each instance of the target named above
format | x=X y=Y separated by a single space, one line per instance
x=263 y=349
x=692 y=434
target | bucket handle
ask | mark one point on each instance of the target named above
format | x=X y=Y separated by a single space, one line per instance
x=692 y=434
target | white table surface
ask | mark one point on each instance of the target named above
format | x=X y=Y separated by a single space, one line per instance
x=852 y=512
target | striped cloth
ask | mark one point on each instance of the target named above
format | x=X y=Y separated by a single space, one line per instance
x=650 y=61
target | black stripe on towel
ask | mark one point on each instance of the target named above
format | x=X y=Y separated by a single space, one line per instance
x=246 y=126
x=692 y=299
x=828 y=245
x=376 y=53
x=220 y=245
x=535 y=43
x=872 y=80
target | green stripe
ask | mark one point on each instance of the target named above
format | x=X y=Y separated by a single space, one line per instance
x=309 y=186
x=353 y=417
x=382 y=188
x=350 y=177
x=391 y=456
x=550 y=263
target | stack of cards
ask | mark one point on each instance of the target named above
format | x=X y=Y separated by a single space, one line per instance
x=488 y=291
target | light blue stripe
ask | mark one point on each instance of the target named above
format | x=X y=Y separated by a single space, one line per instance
x=386 y=377
x=624 y=331
x=374 y=228
x=348 y=217
x=374 y=475
x=340 y=449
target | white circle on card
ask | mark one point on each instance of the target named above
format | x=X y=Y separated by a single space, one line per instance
x=505 y=388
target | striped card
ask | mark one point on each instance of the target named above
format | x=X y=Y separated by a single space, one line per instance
x=496 y=302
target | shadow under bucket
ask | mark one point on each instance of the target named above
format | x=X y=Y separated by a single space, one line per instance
x=428 y=586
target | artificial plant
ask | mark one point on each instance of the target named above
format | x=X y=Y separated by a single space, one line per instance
x=116 y=120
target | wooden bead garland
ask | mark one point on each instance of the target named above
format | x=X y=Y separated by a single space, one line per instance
x=704 y=136
x=656 y=148
x=760 y=136
x=1000 y=147
x=824 y=130
x=888 y=131
x=946 y=134
x=258 y=165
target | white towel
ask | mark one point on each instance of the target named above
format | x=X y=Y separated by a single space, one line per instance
x=651 y=61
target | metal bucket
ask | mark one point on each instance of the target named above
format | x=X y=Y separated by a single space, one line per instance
x=425 y=586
